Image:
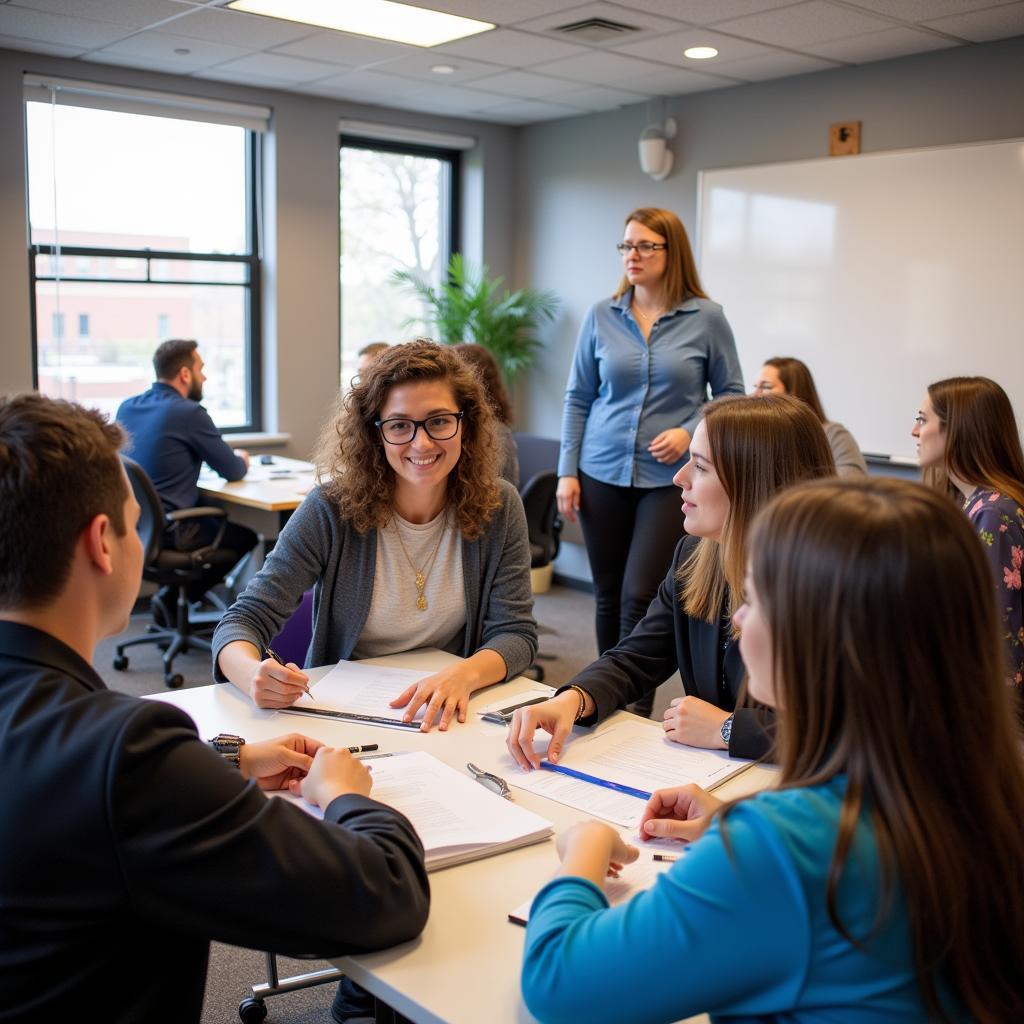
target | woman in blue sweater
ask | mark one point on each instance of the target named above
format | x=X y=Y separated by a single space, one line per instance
x=882 y=880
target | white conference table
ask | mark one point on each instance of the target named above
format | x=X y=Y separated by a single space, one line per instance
x=464 y=968
x=266 y=496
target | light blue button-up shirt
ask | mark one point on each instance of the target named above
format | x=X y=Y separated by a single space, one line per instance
x=622 y=392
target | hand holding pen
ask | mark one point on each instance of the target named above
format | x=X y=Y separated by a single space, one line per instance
x=275 y=684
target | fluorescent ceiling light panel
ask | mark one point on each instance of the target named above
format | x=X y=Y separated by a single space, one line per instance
x=382 y=19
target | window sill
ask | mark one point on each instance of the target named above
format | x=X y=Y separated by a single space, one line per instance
x=257 y=440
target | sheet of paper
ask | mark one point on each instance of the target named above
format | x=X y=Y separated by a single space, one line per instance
x=362 y=689
x=632 y=753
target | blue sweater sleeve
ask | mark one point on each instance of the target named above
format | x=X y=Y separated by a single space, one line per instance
x=725 y=930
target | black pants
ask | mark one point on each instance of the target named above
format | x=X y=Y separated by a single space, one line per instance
x=631 y=534
x=239 y=540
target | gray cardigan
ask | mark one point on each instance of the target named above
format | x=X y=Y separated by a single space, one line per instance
x=319 y=549
x=845 y=452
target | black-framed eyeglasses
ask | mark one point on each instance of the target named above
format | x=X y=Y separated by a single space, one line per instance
x=643 y=249
x=401 y=430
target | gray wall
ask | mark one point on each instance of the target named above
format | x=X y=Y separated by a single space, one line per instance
x=301 y=227
x=578 y=178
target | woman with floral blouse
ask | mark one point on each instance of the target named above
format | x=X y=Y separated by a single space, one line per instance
x=968 y=444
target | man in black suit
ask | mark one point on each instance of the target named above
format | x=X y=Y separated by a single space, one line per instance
x=128 y=844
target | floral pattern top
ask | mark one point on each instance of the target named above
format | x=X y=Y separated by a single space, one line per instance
x=999 y=521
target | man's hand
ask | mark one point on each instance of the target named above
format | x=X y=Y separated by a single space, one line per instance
x=335 y=772
x=273 y=764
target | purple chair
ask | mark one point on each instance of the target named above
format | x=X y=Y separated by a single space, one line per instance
x=292 y=643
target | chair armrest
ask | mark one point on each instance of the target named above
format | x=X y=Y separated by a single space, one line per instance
x=194 y=513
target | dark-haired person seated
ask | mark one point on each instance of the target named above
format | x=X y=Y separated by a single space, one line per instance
x=128 y=843
x=171 y=435
x=881 y=881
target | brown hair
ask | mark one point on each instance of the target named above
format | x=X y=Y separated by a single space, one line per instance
x=681 y=281
x=372 y=348
x=350 y=458
x=59 y=469
x=172 y=355
x=486 y=366
x=797 y=380
x=982 y=441
x=888 y=667
x=757 y=448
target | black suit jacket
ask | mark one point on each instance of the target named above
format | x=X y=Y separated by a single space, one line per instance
x=667 y=640
x=128 y=844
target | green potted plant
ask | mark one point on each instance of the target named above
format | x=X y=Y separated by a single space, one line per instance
x=470 y=307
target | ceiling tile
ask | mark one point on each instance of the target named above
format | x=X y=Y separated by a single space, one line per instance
x=419 y=65
x=361 y=85
x=161 y=46
x=20 y=23
x=922 y=10
x=596 y=98
x=500 y=12
x=676 y=82
x=528 y=112
x=511 y=48
x=893 y=42
x=135 y=13
x=238 y=29
x=282 y=69
x=646 y=24
x=597 y=67
x=983 y=26
x=813 y=22
x=669 y=49
x=37 y=46
x=703 y=12
x=524 y=84
x=342 y=48
x=775 y=65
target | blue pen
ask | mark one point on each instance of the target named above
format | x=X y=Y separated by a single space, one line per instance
x=584 y=777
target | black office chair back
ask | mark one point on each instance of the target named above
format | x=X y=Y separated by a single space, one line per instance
x=151 y=518
x=538 y=464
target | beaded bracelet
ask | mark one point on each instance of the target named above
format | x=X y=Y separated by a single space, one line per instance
x=581 y=693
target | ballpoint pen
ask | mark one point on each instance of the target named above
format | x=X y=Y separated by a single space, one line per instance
x=364 y=749
x=271 y=653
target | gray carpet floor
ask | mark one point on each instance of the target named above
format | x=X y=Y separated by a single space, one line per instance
x=566 y=619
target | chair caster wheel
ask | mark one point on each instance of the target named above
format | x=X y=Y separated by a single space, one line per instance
x=173 y=682
x=252 y=1011
x=120 y=662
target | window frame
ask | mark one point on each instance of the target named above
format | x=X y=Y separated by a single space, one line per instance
x=252 y=260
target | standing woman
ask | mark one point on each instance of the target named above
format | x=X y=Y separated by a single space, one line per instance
x=883 y=879
x=486 y=366
x=643 y=362
x=969 y=446
x=786 y=375
x=410 y=540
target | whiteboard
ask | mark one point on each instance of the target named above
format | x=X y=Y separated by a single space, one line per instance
x=883 y=272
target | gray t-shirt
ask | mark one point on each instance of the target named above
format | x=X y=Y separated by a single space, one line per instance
x=395 y=622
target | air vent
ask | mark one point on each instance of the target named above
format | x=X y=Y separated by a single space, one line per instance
x=595 y=30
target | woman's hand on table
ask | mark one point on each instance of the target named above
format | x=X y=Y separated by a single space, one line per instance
x=274 y=685
x=682 y=812
x=445 y=693
x=556 y=716
x=695 y=722
x=594 y=850
x=333 y=773
x=567 y=496
x=670 y=445
x=273 y=764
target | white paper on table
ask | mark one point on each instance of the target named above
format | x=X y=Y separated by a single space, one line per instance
x=632 y=753
x=633 y=878
x=362 y=689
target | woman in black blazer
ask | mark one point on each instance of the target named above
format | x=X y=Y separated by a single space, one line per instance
x=743 y=452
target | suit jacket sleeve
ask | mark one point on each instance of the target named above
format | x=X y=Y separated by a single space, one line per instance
x=212 y=447
x=753 y=733
x=204 y=852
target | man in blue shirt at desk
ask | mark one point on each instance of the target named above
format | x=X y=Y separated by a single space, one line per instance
x=172 y=435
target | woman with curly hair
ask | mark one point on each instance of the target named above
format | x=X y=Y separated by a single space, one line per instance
x=409 y=540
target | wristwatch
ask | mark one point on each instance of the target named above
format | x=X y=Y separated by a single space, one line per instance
x=727 y=729
x=228 y=746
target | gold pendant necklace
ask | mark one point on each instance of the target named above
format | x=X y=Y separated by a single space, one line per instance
x=421 y=574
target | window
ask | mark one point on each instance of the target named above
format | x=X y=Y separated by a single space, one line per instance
x=140 y=223
x=398 y=212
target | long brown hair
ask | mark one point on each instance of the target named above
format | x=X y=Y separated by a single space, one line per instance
x=757 y=448
x=681 y=281
x=486 y=366
x=982 y=441
x=350 y=458
x=797 y=380
x=888 y=667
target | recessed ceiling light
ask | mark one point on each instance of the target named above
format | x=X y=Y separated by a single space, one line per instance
x=700 y=52
x=382 y=19
x=443 y=69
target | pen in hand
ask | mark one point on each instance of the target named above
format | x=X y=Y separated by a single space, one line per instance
x=271 y=653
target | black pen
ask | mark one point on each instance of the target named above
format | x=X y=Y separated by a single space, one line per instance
x=364 y=749
x=271 y=653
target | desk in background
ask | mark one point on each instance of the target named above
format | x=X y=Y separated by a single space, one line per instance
x=273 y=492
x=465 y=967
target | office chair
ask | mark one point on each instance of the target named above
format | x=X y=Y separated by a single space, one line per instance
x=169 y=567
